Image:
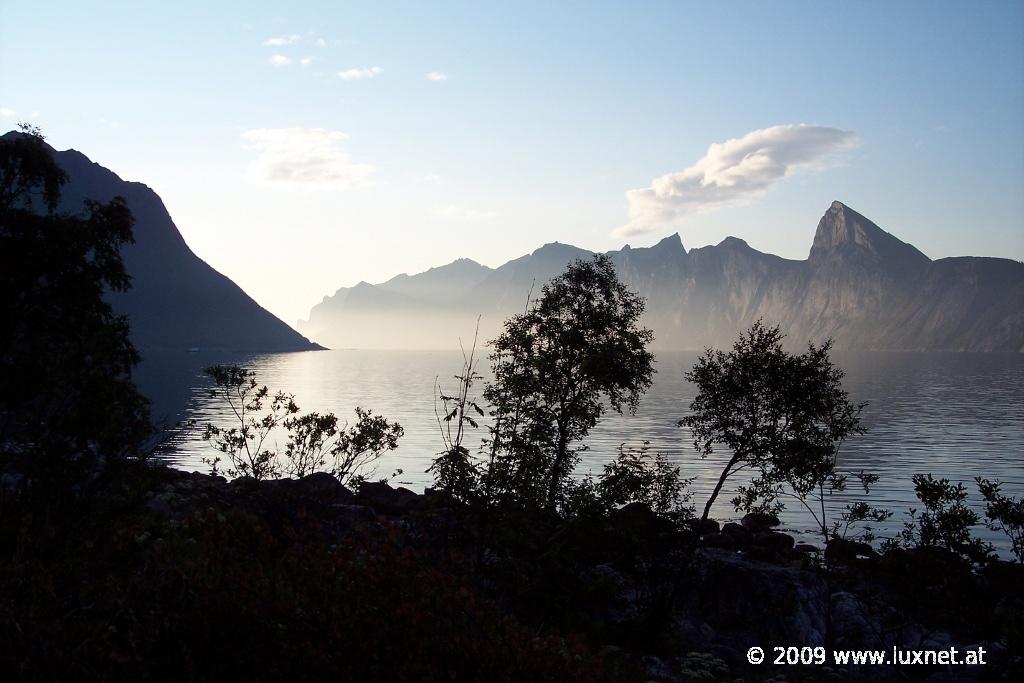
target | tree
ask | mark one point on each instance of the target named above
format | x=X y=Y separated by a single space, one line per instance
x=781 y=414
x=578 y=351
x=66 y=393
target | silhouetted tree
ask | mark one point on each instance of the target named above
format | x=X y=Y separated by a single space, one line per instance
x=66 y=393
x=576 y=352
x=781 y=414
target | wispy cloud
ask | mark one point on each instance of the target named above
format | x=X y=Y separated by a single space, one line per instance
x=7 y=112
x=278 y=41
x=436 y=76
x=320 y=42
x=463 y=212
x=358 y=74
x=732 y=172
x=306 y=61
x=279 y=60
x=303 y=157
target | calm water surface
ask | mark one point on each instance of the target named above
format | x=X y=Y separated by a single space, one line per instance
x=954 y=415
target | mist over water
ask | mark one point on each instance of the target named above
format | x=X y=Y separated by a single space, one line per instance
x=953 y=415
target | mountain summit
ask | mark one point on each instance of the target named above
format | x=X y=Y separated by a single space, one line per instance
x=177 y=301
x=860 y=286
x=843 y=228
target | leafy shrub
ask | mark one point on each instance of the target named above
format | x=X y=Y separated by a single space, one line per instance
x=945 y=522
x=636 y=476
x=1004 y=513
x=315 y=442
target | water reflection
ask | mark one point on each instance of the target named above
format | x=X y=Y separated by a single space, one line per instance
x=954 y=415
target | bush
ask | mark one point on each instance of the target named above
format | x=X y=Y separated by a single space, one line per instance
x=1004 y=514
x=315 y=442
x=945 y=522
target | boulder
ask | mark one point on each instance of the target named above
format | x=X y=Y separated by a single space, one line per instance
x=720 y=540
x=843 y=551
x=733 y=592
x=759 y=521
x=383 y=498
x=704 y=526
x=774 y=541
x=324 y=488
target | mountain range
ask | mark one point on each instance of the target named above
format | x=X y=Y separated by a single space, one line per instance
x=860 y=286
x=177 y=300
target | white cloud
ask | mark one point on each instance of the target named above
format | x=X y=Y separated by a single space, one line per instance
x=7 y=112
x=462 y=212
x=303 y=157
x=306 y=61
x=436 y=76
x=280 y=60
x=320 y=42
x=732 y=172
x=279 y=41
x=357 y=74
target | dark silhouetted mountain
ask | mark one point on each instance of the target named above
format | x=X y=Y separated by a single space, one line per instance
x=177 y=300
x=860 y=286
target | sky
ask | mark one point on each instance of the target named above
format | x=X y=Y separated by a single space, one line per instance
x=301 y=147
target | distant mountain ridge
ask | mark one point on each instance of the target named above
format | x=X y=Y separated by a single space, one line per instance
x=177 y=300
x=860 y=285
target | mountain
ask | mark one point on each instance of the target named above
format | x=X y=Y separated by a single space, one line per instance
x=860 y=285
x=177 y=301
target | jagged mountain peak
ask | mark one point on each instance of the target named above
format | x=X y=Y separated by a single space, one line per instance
x=843 y=228
x=673 y=242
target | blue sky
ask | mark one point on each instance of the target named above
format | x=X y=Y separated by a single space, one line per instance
x=294 y=179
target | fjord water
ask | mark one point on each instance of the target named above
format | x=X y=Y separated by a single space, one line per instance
x=954 y=415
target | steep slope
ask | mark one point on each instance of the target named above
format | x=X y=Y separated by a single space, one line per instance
x=860 y=286
x=177 y=300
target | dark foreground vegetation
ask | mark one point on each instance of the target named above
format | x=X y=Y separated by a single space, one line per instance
x=512 y=567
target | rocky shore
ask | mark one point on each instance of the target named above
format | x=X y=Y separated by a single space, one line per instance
x=670 y=602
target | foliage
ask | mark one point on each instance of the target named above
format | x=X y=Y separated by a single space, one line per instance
x=637 y=477
x=315 y=442
x=782 y=415
x=456 y=475
x=1004 y=513
x=945 y=522
x=558 y=367
x=66 y=393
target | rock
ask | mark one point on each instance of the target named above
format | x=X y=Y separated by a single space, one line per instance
x=850 y=625
x=843 y=551
x=806 y=548
x=759 y=521
x=773 y=540
x=637 y=518
x=720 y=540
x=732 y=592
x=704 y=526
x=325 y=488
x=383 y=498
